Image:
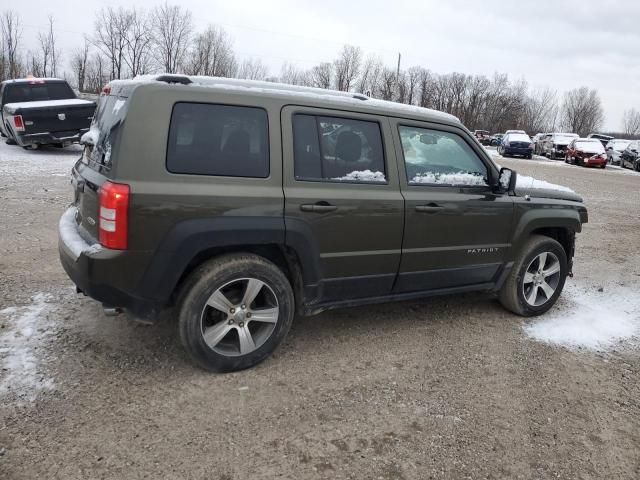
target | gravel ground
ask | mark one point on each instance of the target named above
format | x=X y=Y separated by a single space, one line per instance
x=451 y=387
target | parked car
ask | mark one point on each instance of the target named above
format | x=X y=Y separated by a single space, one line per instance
x=536 y=140
x=238 y=212
x=554 y=145
x=516 y=144
x=614 y=149
x=483 y=136
x=604 y=139
x=42 y=111
x=629 y=157
x=496 y=139
x=586 y=152
x=538 y=148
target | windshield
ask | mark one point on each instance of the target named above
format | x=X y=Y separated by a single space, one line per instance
x=590 y=147
x=31 y=92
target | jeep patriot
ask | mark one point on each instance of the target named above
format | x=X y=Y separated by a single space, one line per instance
x=241 y=204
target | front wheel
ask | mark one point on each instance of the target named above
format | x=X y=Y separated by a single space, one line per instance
x=537 y=278
x=234 y=312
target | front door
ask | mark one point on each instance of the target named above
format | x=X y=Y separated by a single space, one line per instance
x=457 y=230
x=341 y=193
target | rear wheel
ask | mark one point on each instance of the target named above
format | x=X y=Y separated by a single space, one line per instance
x=10 y=141
x=537 y=278
x=234 y=311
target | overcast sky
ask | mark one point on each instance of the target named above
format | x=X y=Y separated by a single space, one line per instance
x=562 y=44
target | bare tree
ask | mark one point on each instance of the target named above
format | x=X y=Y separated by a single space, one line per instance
x=11 y=35
x=138 y=40
x=292 y=75
x=321 y=76
x=253 y=69
x=212 y=54
x=97 y=73
x=347 y=67
x=369 y=79
x=110 y=37
x=388 y=83
x=46 y=63
x=631 y=122
x=582 y=111
x=540 y=111
x=172 y=27
x=79 y=61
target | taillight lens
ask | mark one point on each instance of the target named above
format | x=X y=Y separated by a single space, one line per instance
x=18 y=124
x=113 y=220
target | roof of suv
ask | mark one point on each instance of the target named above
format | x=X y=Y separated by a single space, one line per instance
x=293 y=93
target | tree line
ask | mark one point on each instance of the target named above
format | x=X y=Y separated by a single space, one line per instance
x=126 y=42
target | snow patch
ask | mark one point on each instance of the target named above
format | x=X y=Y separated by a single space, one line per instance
x=524 y=181
x=70 y=237
x=21 y=370
x=460 y=178
x=12 y=107
x=363 y=176
x=589 y=319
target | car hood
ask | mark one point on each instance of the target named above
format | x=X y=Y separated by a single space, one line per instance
x=548 y=193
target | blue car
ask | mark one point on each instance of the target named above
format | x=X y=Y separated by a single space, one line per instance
x=516 y=144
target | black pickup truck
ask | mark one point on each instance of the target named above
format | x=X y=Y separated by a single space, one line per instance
x=42 y=111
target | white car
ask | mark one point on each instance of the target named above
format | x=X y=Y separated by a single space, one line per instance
x=614 y=148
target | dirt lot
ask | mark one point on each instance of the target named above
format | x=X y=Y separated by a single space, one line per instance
x=451 y=387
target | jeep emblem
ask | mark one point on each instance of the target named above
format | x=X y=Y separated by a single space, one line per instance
x=62 y=116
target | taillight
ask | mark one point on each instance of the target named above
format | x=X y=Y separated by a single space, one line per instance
x=106 y=90
x=18 y=124
x=113 y=220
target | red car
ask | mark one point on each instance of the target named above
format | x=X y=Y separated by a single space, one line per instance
x=587 y=152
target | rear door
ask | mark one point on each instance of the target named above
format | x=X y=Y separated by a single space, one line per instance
x=342 y=196
x=457 y=230
x=97 y=163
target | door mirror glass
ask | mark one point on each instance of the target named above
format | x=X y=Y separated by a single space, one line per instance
x=428 y=139
x=507 y=180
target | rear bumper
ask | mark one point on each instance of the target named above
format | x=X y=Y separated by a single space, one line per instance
x=518 y=151
x=100 y=273
x=50 y=138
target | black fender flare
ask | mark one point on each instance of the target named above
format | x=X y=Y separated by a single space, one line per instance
x=189 y=238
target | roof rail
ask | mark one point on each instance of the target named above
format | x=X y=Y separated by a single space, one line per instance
x=181 y=79
x=359 y=96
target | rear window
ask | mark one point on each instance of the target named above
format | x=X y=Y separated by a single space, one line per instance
x=519 y=137
x=218 y=140
x=591 y=147
x=31 y=92
x=105 y=131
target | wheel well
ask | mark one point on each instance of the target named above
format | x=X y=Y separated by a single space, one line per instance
x=564 y=236
x=284 y=258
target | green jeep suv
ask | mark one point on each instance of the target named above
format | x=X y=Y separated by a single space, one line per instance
x=242 y=204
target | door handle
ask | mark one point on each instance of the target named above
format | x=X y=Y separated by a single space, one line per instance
x=431 y=208
x=320 y=207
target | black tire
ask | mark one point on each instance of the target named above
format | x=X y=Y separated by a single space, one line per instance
x=210 y=277
x=637 y=167
x=10 y=141
x=566 y=159
x=511 y=295
x=530 y=156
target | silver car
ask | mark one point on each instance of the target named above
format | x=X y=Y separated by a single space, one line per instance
x=554 y=145
x=614 y=148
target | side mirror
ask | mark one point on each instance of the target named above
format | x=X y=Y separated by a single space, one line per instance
x=428 y=139
x=507 y=180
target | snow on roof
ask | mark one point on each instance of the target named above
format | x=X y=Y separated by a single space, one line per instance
x=34 y=79
x=12 y=107
x=309 y=93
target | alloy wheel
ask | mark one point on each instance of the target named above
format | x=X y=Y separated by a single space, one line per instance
x=239 y=317
x=541 y=279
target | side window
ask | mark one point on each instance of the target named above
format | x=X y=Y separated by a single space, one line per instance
x=337 y=149
x=218 y=140
x=440 y=158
